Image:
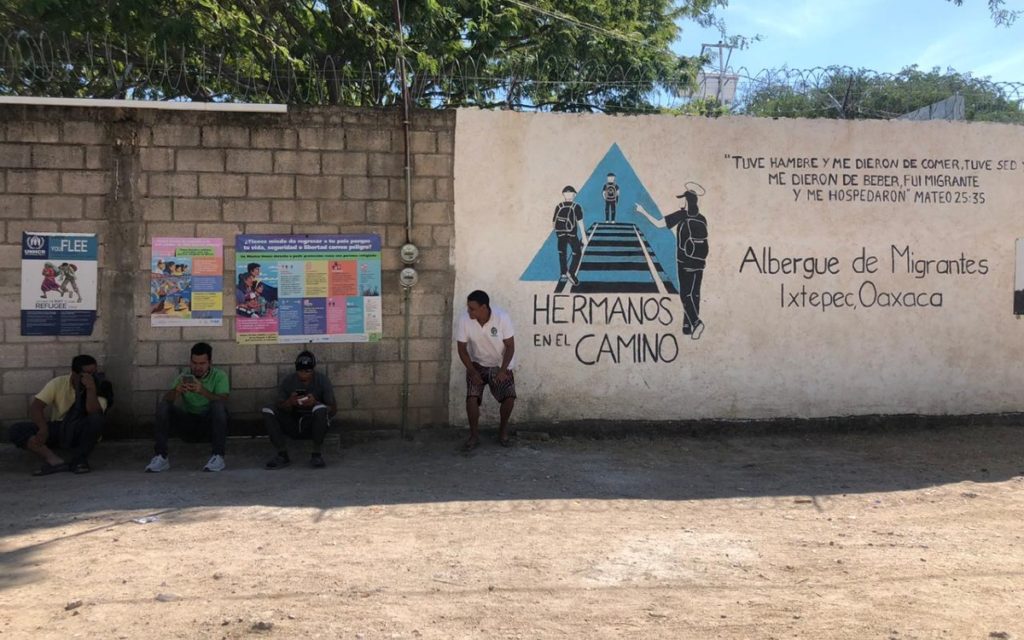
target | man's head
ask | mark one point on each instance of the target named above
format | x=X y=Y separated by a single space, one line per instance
x=692 y=207
x=478 y=305
x=80 y=364
x=568 y=193
x=254 y=269
x=611 y=177
x=305 y=363
x=200 y=358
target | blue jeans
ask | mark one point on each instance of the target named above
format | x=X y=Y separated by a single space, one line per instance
x=211 y=425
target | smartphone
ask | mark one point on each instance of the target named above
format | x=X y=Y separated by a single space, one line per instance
x=188 y=379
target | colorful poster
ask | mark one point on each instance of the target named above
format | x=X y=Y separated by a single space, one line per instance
x=293 y=289
x=58 y=283
x=187 y=282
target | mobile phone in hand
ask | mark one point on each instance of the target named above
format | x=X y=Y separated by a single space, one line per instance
x=188 y=379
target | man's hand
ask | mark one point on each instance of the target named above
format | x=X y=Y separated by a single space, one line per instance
x=502 y=375
x=38 y=440
x=88 y=381
x=475 y=376
x=193 y=387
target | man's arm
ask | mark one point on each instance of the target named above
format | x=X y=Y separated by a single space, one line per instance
x=329 y=399
x=659 y=222
x=175 y=392
x=212 y=397
x=92 y=401
x=506 y=358
x=37 y=443
x=468 y=362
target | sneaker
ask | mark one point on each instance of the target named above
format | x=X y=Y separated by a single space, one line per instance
x=697 y=330
x=157 y=464
x=215 y=463
x=278 y=462
x=317 y=461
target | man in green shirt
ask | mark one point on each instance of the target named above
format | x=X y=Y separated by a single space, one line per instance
x=203 y=415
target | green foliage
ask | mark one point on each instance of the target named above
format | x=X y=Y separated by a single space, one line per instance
x=860 y=94
x=560 y=54
x=1000 y=15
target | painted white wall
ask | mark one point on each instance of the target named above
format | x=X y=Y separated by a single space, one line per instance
x=756 y=358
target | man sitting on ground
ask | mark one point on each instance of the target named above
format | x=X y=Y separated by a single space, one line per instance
x=305 y=404
x=77 y=402
x=203 y=392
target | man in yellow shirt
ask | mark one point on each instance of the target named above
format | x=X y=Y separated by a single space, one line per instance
x=76 y=403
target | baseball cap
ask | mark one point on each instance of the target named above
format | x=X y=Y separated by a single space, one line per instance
x=305 y=361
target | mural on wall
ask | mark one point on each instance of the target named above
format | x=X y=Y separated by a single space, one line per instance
x=670 y=267
x=186 y=282
x=605 y=253
x=58 y=283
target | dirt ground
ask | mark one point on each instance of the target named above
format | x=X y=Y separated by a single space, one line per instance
x=859 y=535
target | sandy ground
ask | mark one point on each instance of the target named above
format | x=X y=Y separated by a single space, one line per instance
x=870 y=535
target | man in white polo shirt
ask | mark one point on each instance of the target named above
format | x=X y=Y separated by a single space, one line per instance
x=487 y=348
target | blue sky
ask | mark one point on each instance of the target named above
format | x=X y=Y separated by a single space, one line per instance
x=883 y=35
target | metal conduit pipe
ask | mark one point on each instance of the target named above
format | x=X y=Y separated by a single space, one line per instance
x=406 y=290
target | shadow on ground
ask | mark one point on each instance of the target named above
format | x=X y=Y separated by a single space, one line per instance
x=429 y=469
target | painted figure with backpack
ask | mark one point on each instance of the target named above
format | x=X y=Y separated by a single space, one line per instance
x=566 y=222
x=691 y=229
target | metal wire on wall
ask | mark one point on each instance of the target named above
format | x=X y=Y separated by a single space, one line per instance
x=45 y=65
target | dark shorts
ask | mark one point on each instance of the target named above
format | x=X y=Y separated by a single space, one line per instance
x=500 y=390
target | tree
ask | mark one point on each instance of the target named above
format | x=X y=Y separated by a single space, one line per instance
x=1000 y=15
x=859 y=94
x=556 y=54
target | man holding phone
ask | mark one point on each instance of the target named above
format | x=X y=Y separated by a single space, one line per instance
x=76 y=403
x=305 y=404
x=203 y=391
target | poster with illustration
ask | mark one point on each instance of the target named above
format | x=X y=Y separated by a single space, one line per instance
x=58 y=283
x=186 y=282
x=307 y=288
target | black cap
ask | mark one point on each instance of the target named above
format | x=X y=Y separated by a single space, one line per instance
x=305 y=362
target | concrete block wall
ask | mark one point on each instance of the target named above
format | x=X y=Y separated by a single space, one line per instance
x=131 y=175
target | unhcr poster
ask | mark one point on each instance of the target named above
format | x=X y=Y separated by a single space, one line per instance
x=58 y=283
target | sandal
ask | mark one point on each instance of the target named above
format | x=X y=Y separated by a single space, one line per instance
x=78 y=468
x=505 y=442
x=49 y=469
x=471 y=443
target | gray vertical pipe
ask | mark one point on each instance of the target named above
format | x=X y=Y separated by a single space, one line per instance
x=406 y=294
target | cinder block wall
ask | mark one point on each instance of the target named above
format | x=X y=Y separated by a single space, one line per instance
x=131 y=175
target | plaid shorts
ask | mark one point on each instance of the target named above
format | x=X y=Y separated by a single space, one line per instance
x=500 y=390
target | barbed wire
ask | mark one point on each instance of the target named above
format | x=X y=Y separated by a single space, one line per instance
x=41 y=65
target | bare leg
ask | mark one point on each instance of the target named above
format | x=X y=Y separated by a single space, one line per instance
x=473 y=413
x=506 y=411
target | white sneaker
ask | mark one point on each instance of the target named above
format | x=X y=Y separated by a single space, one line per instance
x=158 y=464
x=697 y=330
x=215 y=463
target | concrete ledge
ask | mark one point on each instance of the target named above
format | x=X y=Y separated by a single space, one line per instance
x=599 y=429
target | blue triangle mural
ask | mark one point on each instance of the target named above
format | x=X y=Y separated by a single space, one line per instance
x=625 y=256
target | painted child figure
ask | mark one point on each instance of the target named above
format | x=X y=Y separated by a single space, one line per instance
x=610 y=193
